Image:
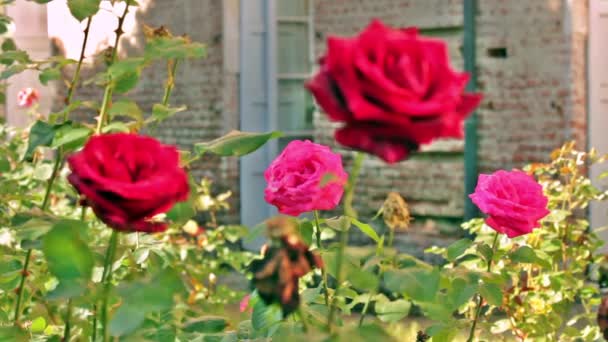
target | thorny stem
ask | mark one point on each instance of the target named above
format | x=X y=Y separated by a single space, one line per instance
x=107 y=95
x=106 y=279
x=323 y=272
x=76 y=76
x=28 y=255
x=24 y=273
x=480 y=298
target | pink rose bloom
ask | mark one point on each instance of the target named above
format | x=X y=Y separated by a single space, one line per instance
x=305 y=177
x=513 y=202
x=244 y=304
x=27 y=97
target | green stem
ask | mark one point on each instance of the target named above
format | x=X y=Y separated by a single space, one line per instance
x=323 y=272
x=480 y=298
x=350 y=186
x=28 y=255
x=339 y=275
x=24 y=274
x=94 y=337
x=76 y=76
x=170 y=81
x=365 y=308
x=51 y=181
x=106 y=279
x=68 y=327
x=303 y=319
x=107 y=94
x=391 y=238
x=348 y=212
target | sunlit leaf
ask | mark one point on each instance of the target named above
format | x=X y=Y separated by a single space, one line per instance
x=161 y=112
x=388 y=311
x=236 y=143
x=366 y=229
x=81 y=9
x=41 y=134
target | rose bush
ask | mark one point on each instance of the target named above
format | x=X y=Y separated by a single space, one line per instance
x=127 y=179
x=305 y=177
x=392 y=89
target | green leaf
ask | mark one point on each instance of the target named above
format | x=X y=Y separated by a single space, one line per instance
x=141 y=297
x=126 y=319
x=363 y=280
x=71 y=138
x=366 y=229
x=41 y=134
x=307 y=231
x=13 y=334
x=265 y=316
x=207 y=325
x=525 y=254
x=421 y=285
x=69 y=257
x=49 y=74
x=388 y=311
x=38 y=325
x=181 y=212
x=5 y=164
x=485 y=251
x=33 y=229
x=126 y=108
x=43 y=172
x=456 y=249
x=173 y=47
x=161 y=112
x=9 y=45
x=82 y=9
x=125 y=73
x=235 y=143
x=116 y=126
x=492 y=293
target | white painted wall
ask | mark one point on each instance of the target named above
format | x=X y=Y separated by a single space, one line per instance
x=31 y=35
x=598 y=100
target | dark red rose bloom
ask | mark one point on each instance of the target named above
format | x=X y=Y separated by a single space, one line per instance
x=127 y=179
x=393 y=90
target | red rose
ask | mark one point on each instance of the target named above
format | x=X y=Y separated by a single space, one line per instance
x=127 y=179
x=393 y=90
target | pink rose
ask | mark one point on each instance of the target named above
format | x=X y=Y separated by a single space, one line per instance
x=305 y=177
x=27 y=97
x=513 y=202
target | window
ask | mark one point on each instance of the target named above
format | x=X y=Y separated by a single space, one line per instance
x=276 y=57
x=294 y=21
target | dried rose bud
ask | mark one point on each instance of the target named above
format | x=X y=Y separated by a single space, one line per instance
x=395 y=212
x=602 y=317
x=154 y=32
x=422 y=336
x=27 y=97
x=284 y=262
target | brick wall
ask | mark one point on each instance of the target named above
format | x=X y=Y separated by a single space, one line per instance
x=201 y=84
x=531 y=64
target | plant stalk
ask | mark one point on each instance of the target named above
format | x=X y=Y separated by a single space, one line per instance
x=323 y=272
x=480 y=298
x=76 y=76
x=107 y=94
x=106 y=279
x=24 y=274
x=172 y=67
x=68 y=327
